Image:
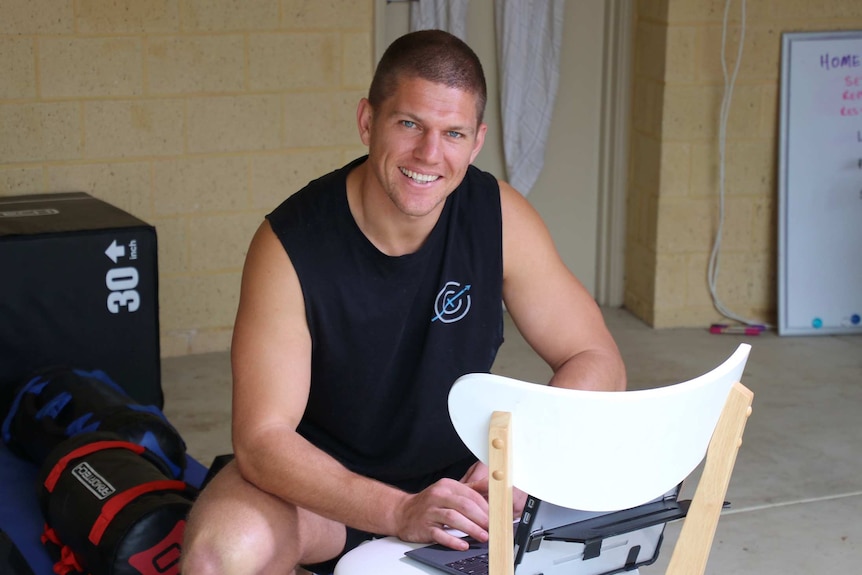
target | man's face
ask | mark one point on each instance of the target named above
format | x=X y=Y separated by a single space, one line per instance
x=421 y=141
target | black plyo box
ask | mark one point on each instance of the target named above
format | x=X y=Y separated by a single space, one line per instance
x=79 y=288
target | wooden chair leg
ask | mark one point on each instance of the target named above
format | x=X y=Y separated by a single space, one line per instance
x=501 y=542
x=698 y=529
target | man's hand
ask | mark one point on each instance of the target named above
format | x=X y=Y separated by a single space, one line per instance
x=477 y=478
x=426 y=516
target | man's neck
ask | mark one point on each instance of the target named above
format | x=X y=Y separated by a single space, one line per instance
x=388 y=229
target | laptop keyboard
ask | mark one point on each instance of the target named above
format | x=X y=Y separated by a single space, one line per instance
x=476 y=565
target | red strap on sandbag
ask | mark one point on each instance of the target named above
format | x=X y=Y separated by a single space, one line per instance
x=120 y=500
x=68 y=559
x=163 y=558
x=54 y=476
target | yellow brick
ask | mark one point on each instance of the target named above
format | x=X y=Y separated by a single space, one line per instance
x=690 y=112
x=127 y=128
x=39 y=132
x=275 y=177
x=685 y=317
x=646 y=160
x=350 y=153
x=647 y=112
x=652 y=47
x=675 y=168
x=670 y=280
x=809 y=11
x=685 y=225
x=641 y=215
x=237 y=123
x=17 y=181
x=345 y=14
x=211 y=341
x=680 y=64
x=125 y=184
x=760 y=54
x=17 y=68
x=127 y=16
x=651 y=222
x=76 y=67
x=229 y=15
x=290 y=60
x=200 y=185
x=358 y=60
x=37 y=17
x=745 y=280
x=219 y=242
x=194 y=64
x=656 y=10
x=200 y=301
x=751 y=167
x=764 y=235
x=173 y=245
x=704 y=168
x=641 y=273
x=697 y=281
x=641 y=309
x=175 y=343
x=321 y=119
x=712 y=11
x=770 y=103
x=738 y=223
x=746 y=112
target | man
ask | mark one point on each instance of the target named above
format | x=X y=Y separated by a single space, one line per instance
x=364 y=296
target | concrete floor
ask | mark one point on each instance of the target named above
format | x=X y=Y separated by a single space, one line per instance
x=796 y=492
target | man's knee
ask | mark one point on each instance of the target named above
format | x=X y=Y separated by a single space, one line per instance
x=241 y=547
x=234 y=528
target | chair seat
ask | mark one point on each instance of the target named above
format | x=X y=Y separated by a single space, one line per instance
x=386 y=557
x=382 y=557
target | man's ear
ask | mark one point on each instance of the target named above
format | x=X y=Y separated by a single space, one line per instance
x=480 y=141
x=364 y=117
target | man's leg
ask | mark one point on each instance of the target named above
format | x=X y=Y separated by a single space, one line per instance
x=236 y=528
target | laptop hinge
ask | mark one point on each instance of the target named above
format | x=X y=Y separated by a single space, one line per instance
x=592 y=548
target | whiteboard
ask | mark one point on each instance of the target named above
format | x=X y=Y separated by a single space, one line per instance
x=820 y=184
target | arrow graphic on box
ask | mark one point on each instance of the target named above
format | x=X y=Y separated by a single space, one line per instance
x=115 y=251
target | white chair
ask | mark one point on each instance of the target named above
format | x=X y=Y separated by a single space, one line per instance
x=594 y=451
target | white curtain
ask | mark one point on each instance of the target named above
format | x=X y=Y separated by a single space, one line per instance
x=449 y=15
x=529 y=36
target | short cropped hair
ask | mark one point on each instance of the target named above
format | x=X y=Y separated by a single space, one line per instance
x=435 y=56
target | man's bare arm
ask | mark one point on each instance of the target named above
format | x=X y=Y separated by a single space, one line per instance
x=550 y=307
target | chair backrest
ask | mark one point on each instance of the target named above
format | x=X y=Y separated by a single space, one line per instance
x=606 y=451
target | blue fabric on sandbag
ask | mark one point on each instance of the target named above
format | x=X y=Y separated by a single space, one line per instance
x=58 y=403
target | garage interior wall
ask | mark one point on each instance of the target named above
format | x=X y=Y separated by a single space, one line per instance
x=199 y=116
x=672 y=207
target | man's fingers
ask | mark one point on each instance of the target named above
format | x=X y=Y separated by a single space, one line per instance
x=480 y=486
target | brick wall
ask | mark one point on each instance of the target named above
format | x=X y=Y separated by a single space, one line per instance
x=674 y=174
x=198 y=116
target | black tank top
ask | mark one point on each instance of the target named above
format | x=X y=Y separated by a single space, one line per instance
x=390 y=335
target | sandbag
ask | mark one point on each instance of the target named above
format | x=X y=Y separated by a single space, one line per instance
x=110 y=509
x=57 y=403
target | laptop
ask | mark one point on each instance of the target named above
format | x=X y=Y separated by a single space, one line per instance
x=553 y=540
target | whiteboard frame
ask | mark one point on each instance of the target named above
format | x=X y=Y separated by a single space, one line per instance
x=787 y=40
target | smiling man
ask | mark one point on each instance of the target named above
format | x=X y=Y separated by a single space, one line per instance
x=365 y=295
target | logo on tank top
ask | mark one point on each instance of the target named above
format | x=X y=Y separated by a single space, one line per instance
x=452 y=303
